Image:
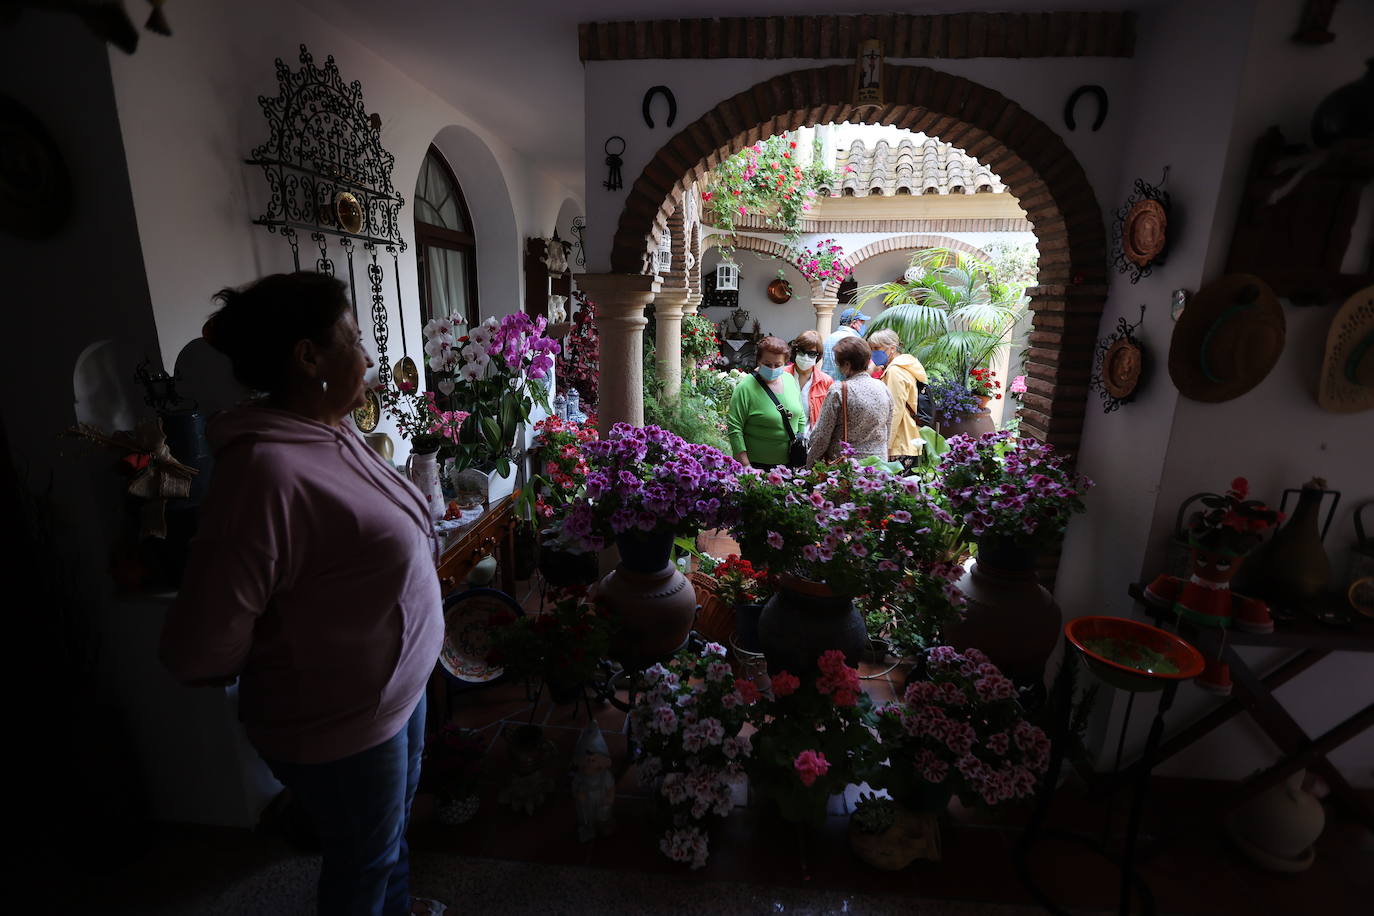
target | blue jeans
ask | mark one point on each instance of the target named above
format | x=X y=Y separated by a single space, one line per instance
x=360 y=807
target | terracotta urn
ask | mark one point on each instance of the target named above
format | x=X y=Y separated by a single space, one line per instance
x=656 y=604
x=1009 y=615
x=974 y=425
x=804 y=619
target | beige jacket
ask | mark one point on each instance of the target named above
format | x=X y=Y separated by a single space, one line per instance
x=870 y=420
x=901 y=377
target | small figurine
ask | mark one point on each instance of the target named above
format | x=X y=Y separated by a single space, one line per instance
x=1219 y=540
x=575 y=414
x=593 y=785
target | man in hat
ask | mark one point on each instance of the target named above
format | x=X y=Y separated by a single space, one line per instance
x=851 y=325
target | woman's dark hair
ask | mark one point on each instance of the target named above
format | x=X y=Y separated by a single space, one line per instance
x=259 y=325
x=807 y=342
x=853 y=353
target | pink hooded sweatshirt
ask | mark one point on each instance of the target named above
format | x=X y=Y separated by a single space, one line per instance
x=312 y=577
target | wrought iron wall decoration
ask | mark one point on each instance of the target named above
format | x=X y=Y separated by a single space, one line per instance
x=329 y=176
x=1096 y=92
x=1119 y=365
x=672 y=105
x=579 y=229
x=1141 y=239
x=613 y=181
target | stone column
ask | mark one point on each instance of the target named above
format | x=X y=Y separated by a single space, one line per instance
x=693 y=304
x=669 y=307
x=825 y=313
x=620 y=300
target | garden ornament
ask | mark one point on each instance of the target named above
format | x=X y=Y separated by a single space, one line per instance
x=1096 y=92
x=1227 y=339
x=1347 y=379
x=593 y=785
x=158 y=476
x=649 y=99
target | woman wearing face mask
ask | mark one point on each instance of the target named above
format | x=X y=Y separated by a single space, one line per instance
x=903 y=375
x=857 y=410
x=755 y=425
x=814 y=382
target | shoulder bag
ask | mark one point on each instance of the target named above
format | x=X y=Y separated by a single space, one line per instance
x=796 y=449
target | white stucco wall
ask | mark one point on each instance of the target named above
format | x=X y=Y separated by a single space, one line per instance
x=189 y=113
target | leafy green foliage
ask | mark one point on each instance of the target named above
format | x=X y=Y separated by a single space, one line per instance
x=954 y=317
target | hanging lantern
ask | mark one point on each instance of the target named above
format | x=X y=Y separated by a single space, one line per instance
x=663 y=258
x=727 y=276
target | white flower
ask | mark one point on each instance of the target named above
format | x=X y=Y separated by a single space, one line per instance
x=439 y=327
x=472 y=351
x=471 y=372
x=492 y=323
x=480 y=336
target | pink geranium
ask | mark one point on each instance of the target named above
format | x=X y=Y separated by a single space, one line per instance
x=810 y=766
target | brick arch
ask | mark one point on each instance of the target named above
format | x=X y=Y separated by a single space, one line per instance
x=785 y=253
x=1032 y=161
x=897 y=243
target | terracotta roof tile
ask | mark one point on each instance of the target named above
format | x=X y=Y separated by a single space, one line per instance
x=925 y=166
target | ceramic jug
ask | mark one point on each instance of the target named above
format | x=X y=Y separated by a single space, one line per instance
x=423 y=470
x=1293 y=568
x=1278 y=828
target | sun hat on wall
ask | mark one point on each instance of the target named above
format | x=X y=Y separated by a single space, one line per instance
x=1227 y=339
x=1347 y=380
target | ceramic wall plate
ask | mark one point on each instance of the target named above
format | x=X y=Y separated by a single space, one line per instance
x=369 y=415
x=348 y=212
x=1121 y=368
x=467 y=633
x=1144 y=232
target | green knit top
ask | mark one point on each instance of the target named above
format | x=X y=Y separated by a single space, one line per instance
x=754 y=424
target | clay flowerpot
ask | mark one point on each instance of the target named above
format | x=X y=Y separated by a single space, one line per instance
x=914 y=835
x=1009 y=615
x=656 y=604
x=805 y=619
x=1278 y=829
x=973 y=425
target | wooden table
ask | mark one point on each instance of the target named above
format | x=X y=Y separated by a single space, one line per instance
x=1255 y=694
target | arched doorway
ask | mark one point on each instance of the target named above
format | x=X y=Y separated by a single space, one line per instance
x=1031 y=160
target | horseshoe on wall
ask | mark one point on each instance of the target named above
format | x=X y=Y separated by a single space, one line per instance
x=649 y=100
x=1097 y=92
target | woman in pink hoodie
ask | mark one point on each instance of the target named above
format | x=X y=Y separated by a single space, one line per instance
x=312 y=582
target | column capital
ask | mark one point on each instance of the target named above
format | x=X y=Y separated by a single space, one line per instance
x=671 y=301
x=825 y=310
x=619 y=292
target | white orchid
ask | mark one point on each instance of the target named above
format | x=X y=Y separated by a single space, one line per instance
x=472 y=351
x=439 y=327
x=471 y=372
x=481 y=336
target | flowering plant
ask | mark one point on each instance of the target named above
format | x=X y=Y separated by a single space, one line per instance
x=737 y=581
x=824 y=262
x=700 y=346
x=688 y=720
x=767 y=180
x=983 y=383
x=453 y=761
x=1016 y=488
x=579 y=363
x=494 y=374
x=959 y=730
x=1232 y=523
x=1018 y=385
x=419 y=418
x=563 y=645
x=813 y=739
x=853 y=525
x=560 y=467
x=951 y=400
x=646 y=479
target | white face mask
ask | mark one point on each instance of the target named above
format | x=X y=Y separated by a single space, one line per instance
x=805 y=362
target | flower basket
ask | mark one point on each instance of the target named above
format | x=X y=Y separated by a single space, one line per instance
x=716 y=618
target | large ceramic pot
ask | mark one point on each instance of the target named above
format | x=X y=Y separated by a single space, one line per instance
x=1009 y=615
x=656 y=604
x=973 y=425
x=805 y=619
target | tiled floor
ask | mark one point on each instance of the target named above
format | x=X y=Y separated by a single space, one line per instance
x=504 y=862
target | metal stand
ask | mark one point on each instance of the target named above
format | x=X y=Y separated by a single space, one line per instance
x=1100 y=845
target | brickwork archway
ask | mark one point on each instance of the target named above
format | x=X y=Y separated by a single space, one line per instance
x=897 y=243
x=1032 y=161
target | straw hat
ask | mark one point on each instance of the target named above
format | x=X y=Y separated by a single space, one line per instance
x=1227 y=339
x=1347 y=381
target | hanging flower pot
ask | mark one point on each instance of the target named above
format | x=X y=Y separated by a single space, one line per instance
x=779 y=291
